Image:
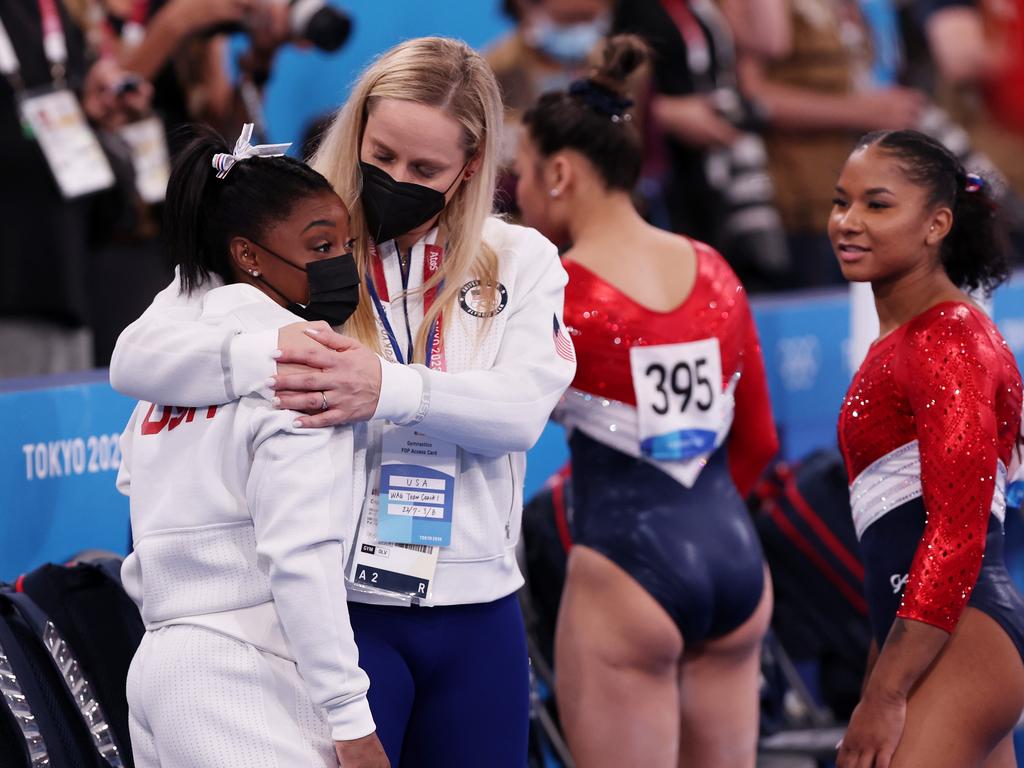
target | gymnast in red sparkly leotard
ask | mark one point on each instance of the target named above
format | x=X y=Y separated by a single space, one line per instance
x=930 y=431
x=606 y=324
x=666 y=599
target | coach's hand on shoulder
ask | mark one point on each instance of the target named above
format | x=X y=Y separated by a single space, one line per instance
x=366 y=752
x=332 y=378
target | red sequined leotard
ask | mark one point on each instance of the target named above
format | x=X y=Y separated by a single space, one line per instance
x=675 y=521
x=605 y=323
x=928 y=429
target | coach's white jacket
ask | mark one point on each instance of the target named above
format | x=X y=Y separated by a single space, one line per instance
x=504 y=375
x=239 y=522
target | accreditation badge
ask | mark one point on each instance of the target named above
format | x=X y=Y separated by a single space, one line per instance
x=150 y=158
x=404 y=571
x=72 y=150
x=417 y=488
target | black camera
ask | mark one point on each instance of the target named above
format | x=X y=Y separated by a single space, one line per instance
x=320 y=23
x=313 y=21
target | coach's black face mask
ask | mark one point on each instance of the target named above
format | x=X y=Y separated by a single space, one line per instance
x=393 y=208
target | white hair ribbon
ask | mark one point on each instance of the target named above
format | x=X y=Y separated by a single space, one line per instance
x=244 y=150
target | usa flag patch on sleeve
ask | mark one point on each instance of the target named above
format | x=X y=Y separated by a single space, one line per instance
x=563 y=343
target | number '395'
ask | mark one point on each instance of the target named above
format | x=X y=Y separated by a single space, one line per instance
x=682 y=380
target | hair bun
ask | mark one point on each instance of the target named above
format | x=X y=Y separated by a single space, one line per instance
x=621 y=56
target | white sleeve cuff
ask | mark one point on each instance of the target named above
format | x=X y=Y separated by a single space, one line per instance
x=351 y=720
x=248 y=363
x=401 y=390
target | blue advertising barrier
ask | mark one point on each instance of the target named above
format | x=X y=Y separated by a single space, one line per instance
x=58 y=462
x=59 y=454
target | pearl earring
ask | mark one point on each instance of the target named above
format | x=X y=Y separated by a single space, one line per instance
x=255 y=273
x=555 y=193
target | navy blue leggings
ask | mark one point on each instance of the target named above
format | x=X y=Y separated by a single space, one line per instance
x=449 y=686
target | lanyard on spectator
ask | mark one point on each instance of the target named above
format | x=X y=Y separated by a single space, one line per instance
x=433 y=255
x=698 y=52
x=54 y=43
x=134 y=30
x=9 y=59
x=54 y=47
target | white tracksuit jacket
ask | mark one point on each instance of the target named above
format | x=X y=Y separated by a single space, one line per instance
x=504 y=376
x=239 y=522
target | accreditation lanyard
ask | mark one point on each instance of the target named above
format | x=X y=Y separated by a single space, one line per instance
x=55 y=45
x=433 y=256
x=698 y=52
x=133 y=28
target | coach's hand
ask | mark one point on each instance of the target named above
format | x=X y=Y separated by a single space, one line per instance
x=317 y=366
x=366 y=752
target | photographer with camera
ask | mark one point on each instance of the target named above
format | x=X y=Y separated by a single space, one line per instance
x=181 y=46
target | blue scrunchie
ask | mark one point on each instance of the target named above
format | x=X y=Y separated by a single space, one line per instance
x=599 y=98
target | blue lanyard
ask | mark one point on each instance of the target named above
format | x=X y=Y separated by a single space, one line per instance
x=392 y=339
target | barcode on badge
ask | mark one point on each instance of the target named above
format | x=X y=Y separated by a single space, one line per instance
x=415 y=548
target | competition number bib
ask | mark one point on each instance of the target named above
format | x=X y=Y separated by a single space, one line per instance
x=681 y=407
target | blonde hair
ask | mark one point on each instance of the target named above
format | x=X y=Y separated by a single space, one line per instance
x=438 y=72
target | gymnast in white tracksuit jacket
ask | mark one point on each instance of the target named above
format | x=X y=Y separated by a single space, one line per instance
x=239 y=518
x=443 y=643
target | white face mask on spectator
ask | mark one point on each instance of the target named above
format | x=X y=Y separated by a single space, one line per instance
x=567 y=43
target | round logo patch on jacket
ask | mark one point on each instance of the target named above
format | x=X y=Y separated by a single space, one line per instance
x=483 y=299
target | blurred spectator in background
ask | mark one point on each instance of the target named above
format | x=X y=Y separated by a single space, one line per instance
x=838 y=77
x=818 y=95
x=714 y=185
x=978 y=50
x=65 y=186
x=546 y=51
x=182 y=46
x=548 y=48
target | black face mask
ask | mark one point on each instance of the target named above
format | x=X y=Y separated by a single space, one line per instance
x=333 y=288
x=393 y=208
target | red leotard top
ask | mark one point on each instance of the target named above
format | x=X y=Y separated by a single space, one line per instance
x=948 y=380
x=605 y=323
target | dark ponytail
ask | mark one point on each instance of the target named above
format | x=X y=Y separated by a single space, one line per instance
x=975 y=253
x=203 y=213
x=593 y=116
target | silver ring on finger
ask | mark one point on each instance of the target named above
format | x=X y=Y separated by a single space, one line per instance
x=325 y=406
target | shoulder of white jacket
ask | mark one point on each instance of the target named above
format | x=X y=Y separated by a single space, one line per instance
x=514 y=240
x=251 y=307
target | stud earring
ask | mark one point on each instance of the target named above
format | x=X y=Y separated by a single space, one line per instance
x=555 y=193
x=255 y=273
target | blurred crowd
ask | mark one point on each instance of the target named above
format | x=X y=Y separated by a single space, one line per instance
x=748 y=111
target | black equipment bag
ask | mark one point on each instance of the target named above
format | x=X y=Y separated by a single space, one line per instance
x=802 y=515
x=38 y=673
x=93 y=613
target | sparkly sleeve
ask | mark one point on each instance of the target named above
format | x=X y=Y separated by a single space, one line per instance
x=753 y=440
x=947 y=369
